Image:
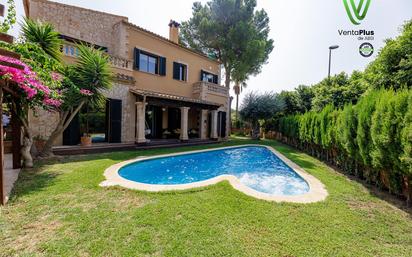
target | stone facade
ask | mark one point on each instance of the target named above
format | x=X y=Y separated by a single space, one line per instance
x=71 y=21
x=121 y=38
x=42 y=124
x=120 y=35
x=121 y=92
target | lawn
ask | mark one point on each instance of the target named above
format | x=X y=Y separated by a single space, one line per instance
x=59 y=209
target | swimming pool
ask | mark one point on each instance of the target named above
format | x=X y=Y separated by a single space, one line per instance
x=255 y=166
x=259 y=171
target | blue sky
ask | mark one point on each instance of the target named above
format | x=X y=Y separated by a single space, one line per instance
x=302 y=31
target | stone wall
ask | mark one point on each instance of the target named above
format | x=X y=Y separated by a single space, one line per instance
x=80 y=23
x=42 y=124
x=120 y=37
x=121 y=92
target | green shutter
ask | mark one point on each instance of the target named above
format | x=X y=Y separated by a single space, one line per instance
x=136 y=59
x=162 y=66
x=176 y=73
x=215 y=79
x=201 y=75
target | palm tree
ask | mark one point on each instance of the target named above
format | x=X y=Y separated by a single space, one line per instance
x=238 y=88
x=44 y=35
x=91 y=72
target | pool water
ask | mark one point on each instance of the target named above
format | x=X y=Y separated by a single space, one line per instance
x=255 y=166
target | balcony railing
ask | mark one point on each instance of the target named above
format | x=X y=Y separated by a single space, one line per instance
x=202 y=88
x=116 y=62
x=120 y=63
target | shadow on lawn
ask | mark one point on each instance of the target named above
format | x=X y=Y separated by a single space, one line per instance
x=296 y=156
x=31 y=181
x=39 y=178
x=42 y=176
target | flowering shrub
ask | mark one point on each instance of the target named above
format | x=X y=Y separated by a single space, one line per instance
x=52 y=102
x=56 y=76
x=28 y=81
x=86 y=92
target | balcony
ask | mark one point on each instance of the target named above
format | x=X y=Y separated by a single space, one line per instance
x=121 y=63
x=116 y=62
x=202 y=89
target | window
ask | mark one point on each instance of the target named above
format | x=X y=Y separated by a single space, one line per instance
x=179 y=71
x=208 y=77
x=148 y=63
x=70 y=50
x=151 y=63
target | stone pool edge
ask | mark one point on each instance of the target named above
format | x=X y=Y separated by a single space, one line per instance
x=317 y=191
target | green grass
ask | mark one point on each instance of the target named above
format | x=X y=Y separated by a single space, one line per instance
x=58 y=209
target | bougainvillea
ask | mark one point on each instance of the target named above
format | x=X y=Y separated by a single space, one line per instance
x=86 y=92
x=29 y=83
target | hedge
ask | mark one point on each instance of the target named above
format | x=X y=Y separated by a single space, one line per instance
x=372 y=139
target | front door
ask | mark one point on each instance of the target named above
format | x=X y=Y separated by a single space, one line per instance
x=221 y=124
x=154 y=121
x=114 y=120
x=174 y=117
x=71 y=136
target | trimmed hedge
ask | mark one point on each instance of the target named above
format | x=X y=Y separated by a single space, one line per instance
x=372 y=139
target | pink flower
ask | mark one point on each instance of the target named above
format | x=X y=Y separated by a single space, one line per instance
x=86 y=92
x=56 y=76
x=52 y=102
x=26 y=79
x=31 y=92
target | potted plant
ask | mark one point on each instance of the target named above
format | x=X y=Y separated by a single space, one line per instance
x=39 y=142
x=166 y=134
x=86 y=139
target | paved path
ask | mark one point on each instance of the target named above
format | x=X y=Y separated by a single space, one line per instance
x=10 y=174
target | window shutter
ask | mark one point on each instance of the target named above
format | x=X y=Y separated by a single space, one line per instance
x=215 y=79
x=136 y=59
x=162 y=66
x=201 y=75
x=176 y=73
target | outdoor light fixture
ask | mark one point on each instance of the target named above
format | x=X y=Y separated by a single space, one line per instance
x=330 y=56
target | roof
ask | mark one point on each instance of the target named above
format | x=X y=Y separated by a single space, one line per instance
x=169 y=41
x=124 y=20
x=172 y=97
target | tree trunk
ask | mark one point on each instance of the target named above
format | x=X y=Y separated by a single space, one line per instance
x=26 y=147
x=48 y=146
x=236 y=88
x=409 y=191
x=25 y=152
x=255 y=131
x=64 y=122
x=227 y=77
x=237 y=110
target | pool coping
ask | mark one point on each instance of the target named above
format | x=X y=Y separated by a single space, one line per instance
x=317 y=191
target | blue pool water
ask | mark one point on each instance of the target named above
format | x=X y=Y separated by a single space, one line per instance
x=255 y=166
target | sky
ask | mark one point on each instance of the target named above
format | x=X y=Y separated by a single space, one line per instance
x=302 y=31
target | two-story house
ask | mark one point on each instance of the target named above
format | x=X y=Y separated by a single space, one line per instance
x=162 y=89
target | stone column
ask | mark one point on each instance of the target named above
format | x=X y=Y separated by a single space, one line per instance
x=140 y=122
x=213 y=127
x=184 y=114
x=203 y=124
